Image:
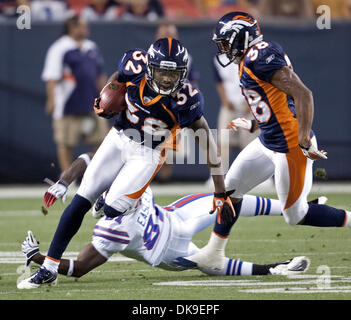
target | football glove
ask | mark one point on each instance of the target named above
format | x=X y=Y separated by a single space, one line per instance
x=312 y=153
x=223 y=207
x=56 y=191
x=242 y=123
x=101 y=112
x=30 y=247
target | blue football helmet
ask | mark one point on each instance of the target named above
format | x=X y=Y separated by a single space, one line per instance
x=235 y=32
x=167 y=66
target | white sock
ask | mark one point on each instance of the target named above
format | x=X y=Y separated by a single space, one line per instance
x=217 y=243
x=232 y=267
x=347 y=223
x=256 y=206
x=51 y=264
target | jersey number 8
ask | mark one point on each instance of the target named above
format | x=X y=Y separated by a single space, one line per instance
x=259 y=108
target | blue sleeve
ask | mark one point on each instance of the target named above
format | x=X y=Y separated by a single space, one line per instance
x=193 y=111
x=268 y=62
x=130 y=69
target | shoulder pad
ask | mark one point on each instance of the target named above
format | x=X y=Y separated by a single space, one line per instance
x=189 y=97
x=132 y=65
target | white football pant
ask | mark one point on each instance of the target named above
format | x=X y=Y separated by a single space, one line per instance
x=292 y=172
x=122 y=165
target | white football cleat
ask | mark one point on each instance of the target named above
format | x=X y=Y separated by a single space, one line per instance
x=322 y=200
x=295 y=265
x=41 y=277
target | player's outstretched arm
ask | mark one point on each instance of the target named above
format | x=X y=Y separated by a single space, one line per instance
x=76 y=170
x=222 y=204
x=88 y=259
x=287 y=81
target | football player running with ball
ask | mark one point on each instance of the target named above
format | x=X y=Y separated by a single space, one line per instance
x=160 y=102
x=283 y=109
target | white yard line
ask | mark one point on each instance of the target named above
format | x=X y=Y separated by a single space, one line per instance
x=17 y=257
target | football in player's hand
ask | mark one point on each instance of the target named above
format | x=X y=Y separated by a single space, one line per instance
x=112 y=97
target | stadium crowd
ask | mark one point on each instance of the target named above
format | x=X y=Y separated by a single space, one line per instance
x=151 y=10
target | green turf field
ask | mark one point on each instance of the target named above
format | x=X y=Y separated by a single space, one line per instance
x=259 y=239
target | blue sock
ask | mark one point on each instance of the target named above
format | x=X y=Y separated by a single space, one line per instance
x=68 y=226
x=224 y=229
x=321 y=215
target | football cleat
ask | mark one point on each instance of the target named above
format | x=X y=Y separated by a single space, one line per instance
x=98 y=208
x=319 y=200
x=30 y=247
x=293 y=266
x=40 y=277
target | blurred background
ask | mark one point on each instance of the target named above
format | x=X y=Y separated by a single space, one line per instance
x=321 y=57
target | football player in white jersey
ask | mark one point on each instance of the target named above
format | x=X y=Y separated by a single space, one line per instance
x=159 y=236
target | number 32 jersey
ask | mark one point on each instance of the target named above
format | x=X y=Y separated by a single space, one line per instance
x=156 y=118
x=273 y=110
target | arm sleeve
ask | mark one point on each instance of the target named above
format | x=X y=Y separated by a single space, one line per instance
x=130 y=69
x=53 y=65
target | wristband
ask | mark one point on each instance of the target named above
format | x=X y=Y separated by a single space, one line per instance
x=71 y=268
x=85 y=157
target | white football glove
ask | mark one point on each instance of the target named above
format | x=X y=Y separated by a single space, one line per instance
x=312 y=153
x=56 y=191
x=240 y=123
x=30 y=247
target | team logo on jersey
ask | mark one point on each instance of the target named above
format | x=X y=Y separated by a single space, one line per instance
x=235 y=25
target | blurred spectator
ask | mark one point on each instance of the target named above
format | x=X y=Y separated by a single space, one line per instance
x=339 y=9
x=166 y=30
x=218 y=8
x=49 y=10
x=101 y=10
x=300 y=9
x=74 y=76
x=41 y=10
x=233 y=105
x=148 y=9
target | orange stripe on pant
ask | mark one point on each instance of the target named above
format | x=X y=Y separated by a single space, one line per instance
x=138 y=194
x=297 y=171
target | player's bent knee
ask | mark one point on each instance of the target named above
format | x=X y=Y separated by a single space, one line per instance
x=111 y=212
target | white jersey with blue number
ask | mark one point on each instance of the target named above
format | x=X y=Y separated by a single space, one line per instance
x=155 y=234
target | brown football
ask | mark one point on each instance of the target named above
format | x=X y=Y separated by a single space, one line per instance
x=113 y=97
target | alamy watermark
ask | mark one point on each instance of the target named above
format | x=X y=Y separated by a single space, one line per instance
x=24 y=19
x=324 y=19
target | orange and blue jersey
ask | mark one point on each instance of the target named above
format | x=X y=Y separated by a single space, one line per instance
x=273 y=110
x=157 y=119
